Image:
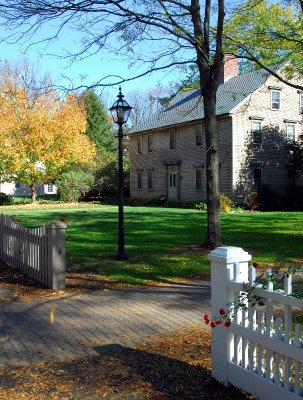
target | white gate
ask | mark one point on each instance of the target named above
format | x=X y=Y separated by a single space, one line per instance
x=258 y=352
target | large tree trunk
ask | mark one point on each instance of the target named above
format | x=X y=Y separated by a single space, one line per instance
x=34 y=193
x=210 y=69
x=212 y=170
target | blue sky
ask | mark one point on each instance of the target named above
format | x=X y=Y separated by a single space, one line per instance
x=85 y=72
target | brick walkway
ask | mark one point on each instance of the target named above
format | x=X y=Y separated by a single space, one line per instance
x=84 y=322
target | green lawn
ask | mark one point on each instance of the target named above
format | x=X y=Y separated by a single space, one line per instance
x=158 y=240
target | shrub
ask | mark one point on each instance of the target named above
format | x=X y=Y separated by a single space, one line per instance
x=72 y=185
x=6 y=199
x=226 y=204
x=252 y=201
x=201 y=206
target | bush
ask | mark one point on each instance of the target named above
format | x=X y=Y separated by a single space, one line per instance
x=226 y=204
x=73 y=185
x=201 y=206
x=6 y=199
x=252 y=201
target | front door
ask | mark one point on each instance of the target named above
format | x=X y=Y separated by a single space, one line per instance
x=172 y=186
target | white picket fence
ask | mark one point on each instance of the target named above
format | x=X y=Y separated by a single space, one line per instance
x=258 y=352
x=39 y=253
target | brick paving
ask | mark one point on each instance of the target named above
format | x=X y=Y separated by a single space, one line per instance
x=84 y=322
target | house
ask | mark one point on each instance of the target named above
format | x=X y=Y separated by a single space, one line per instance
x=21 y=190
x=255 y=114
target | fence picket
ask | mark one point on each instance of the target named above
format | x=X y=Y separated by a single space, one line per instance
x=298 y=365
x=278 y=357
x=267 y=361
x=28 y=250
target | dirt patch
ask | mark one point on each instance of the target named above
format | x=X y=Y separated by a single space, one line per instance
x=170 y=367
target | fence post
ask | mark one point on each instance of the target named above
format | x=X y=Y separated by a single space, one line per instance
x=226 y=263
x=55 y=232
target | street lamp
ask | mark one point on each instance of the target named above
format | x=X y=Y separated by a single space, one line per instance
x=120 y=111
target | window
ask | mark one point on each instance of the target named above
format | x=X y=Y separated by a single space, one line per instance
x=50 y=188
x=275 y=99
x=150 y=143
x=172 y=139
x=17 y=185
x=172 y=179
x=199 y=135
x=257 y=177
x=291 y=131
x=198 y=179
x=139 y=145
x=301 y=103
x=149 y=180
x=139 y=180
x=256 y=127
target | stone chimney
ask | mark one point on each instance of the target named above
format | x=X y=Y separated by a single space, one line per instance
x=230 y=68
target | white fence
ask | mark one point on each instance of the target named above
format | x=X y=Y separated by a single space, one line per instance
x=259 y=353
x=39 y=253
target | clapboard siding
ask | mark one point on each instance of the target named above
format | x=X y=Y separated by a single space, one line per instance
x=238 y=156
x=270 y=154
x=185 y=159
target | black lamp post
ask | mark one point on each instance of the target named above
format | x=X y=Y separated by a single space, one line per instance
x=120 y=111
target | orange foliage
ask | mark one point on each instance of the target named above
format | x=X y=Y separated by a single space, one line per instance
x=39 y=132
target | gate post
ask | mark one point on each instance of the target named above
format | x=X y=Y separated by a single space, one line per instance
x=55 y=232
x=227 y=263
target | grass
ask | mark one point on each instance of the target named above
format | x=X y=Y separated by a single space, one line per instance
x=162 y=243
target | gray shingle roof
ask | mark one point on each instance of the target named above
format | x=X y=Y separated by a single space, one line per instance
x=188 y=106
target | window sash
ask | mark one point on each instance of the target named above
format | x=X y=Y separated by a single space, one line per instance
x=139 y=145
x=198 y=179
x=149 y=180
x=275 y=100
x=199 y=135
x=149 y=144
x=172 y=139
x=50 y=187
x=172 y=179
x=139 y=181
x=291 y=131
x=256 y=128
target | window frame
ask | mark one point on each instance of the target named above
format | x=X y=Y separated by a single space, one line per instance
x=139 y=145
x=198 y=187
x=256 y=131
x=172 y=143
x=140 y=174
x=199 y=133
x=272 y=107
x=292 y=124
x=150 y=143
x=150 y=180
x=172 y=179
x=52 y=188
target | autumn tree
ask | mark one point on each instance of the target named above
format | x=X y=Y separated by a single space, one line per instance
x=40 y=134
x=160 y=35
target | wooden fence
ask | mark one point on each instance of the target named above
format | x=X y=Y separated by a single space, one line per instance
x=258 y=352
x=39 y=253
